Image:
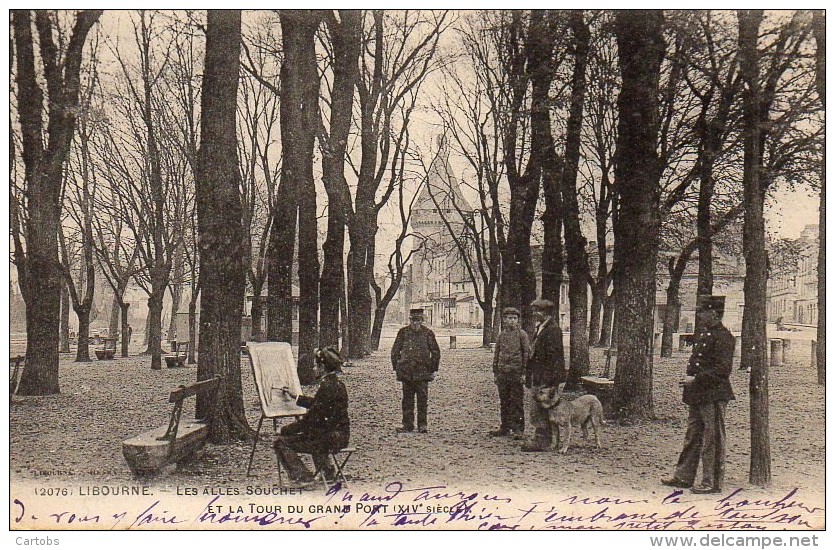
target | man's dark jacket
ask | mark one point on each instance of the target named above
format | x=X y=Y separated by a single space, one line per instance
x=710 y=363
x=546 y=366
x=327 y=411
x=415 y=354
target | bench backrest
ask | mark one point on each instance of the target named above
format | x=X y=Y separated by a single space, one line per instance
x=188 y=391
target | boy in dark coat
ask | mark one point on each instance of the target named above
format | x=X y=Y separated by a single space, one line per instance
x=325 y=427
x=545 y=368
x=415 y=358
x=707 y=390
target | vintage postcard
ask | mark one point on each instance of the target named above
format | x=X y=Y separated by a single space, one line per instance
x=438 y=234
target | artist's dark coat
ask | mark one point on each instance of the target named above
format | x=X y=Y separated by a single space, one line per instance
x=415 y=354
x=710 y=363
x=327 y=412
x=546 y=366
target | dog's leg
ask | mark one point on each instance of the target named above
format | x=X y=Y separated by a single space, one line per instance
x=567 y=437
x=595 y=421
x=554 y=437
x=585 y=426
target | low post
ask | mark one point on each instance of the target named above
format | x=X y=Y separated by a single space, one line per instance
x=737 y=347
x=814 y=354
x=776 y=352
x=453 y=341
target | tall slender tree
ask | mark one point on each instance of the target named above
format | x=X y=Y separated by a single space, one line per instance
x=575 y=243
x=38 y=265
x=220 y=230
x=819 y=29
x=753 y=245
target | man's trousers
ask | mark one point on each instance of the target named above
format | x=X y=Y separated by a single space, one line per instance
x=705 y=440
x=413 y=390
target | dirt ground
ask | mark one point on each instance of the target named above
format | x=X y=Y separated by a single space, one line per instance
x=80 y=431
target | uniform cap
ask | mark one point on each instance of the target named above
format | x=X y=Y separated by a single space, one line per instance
x=416 y=312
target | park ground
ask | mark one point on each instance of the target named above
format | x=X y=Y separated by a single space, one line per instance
x=76 y=436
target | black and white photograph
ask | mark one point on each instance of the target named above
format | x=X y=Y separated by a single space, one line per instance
x=418 y=269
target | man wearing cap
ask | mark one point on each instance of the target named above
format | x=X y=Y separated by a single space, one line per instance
x=707 y=390
x=415 y=358
x=545 y=368
x=509 y=359
x=325 y=427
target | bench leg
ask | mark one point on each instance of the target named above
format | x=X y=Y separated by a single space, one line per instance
x=254 y=444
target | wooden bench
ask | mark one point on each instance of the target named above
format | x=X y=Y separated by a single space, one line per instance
x=16 y=365
x=602 y=388
x=174 y=442
x=108 y=351
x=177 y=359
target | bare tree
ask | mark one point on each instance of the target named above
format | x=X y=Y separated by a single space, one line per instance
x=155 y=191
x=345 y=42
x=79 y=200
x=37 y=261
x=221 y=236
x=399 y=51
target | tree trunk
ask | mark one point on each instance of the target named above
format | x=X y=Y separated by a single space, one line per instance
x=346 y=39
x=597 y=297
x=82 y=355
x=487 y=336
x=359 y=291
x=65 y=320
x=176 y=289
x=299 y=124
x=154 y=348
x=575 y=242
x=127 y=331
x=343 y=314
x=113 y=325
x=671 y=316
x=640 y=50
x=192 y=328
x=819 y=27
x=43 y=168
x=608 y=321
x=257 y=310
x=221 y=235
x=754 y=342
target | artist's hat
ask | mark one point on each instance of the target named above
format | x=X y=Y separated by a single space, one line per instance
x=330 y=358
x=711 y=303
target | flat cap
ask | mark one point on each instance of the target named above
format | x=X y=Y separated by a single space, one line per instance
x=510 y=311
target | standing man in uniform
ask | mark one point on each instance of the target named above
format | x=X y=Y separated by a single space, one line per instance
x=415 y=358
x=509 y=360
x=545 y=368
x=707 y=390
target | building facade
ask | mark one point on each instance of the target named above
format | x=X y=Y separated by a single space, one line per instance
x=792 y=291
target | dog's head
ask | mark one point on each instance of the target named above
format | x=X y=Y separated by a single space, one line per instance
x=549 y=397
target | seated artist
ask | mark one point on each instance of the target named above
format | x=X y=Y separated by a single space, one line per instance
x=325 y=427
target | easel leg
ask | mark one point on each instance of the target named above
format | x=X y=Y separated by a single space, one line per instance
x=254 y=444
